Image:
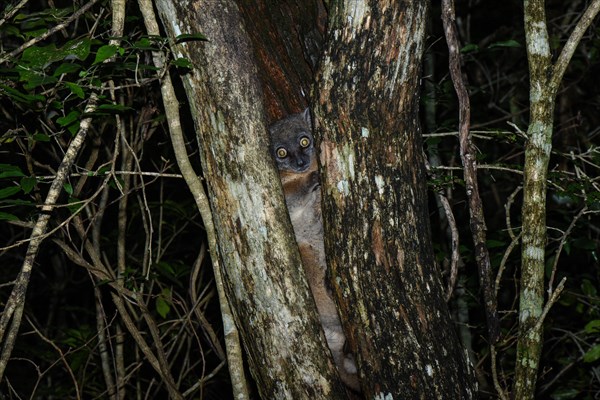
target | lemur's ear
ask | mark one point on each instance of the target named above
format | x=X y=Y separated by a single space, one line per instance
x=306 y=116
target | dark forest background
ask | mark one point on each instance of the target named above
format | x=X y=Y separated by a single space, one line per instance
x=42 y=92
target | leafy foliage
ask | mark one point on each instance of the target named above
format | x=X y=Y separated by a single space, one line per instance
x=119 y=209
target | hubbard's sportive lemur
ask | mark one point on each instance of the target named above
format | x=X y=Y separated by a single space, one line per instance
x=292 y=146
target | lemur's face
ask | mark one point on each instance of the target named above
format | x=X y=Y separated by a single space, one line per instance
x=292 y=143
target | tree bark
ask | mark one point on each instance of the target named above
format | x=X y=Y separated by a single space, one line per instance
x=260 y=261
x=375 y=204
x=287 y=38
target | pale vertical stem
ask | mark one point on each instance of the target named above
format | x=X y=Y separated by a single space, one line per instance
x=544 y=80
x=537 y=155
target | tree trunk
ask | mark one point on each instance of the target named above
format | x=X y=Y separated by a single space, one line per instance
x=537 y=156
x=375 y=204
x=544 y=80
x=260 y=261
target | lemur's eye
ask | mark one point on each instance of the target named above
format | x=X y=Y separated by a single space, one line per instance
x=281 y=152
x=304 y=141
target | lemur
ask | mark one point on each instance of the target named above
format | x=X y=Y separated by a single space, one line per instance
x=292 y=146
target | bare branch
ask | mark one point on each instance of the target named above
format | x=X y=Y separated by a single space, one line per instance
x=499 y=389
x=569 y=48
x=478 y=227
x=563 y=240
x=553 y=298
x=454 y=245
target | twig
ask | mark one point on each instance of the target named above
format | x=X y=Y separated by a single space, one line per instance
x=94 y=174
x=454 y=245
x=509 y=249
x=454 y=237
x=563 y=240
x=507 y=207
x=483 y=166
x=553 y=298
x=515 y=239
x=469 y=161
x=485 y=135
x=519 y=131
x=499 y=390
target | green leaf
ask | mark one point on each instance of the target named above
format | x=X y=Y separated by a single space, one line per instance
x=144 y=44
x=183 y=63
x=75 y=89
x=9 y=191
x=506 y=43
x=37 y=57
x=564 y=394
x=33 y=79
x=105 y=52
x=592 y=354
x=588 y=288
x=20 y=97
x=68 y=188
x=114 y=108
x=66 y=68
x=73 y=129
x=35 y=33
x=19 y=202
x=27 y=184
x=163 y=303
x=41 y=137
x=162 y=307
x=103 y=282
x=39 y=80
x=102 y=171
x=68 y=119
x=592 y=326
x=11 y=173
x=491 y=243
x=74 y=203
x=8 y=217
x=9 y=167
x=166 y=267
x=469 y=48
x=186 y=37
x=79 y=48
